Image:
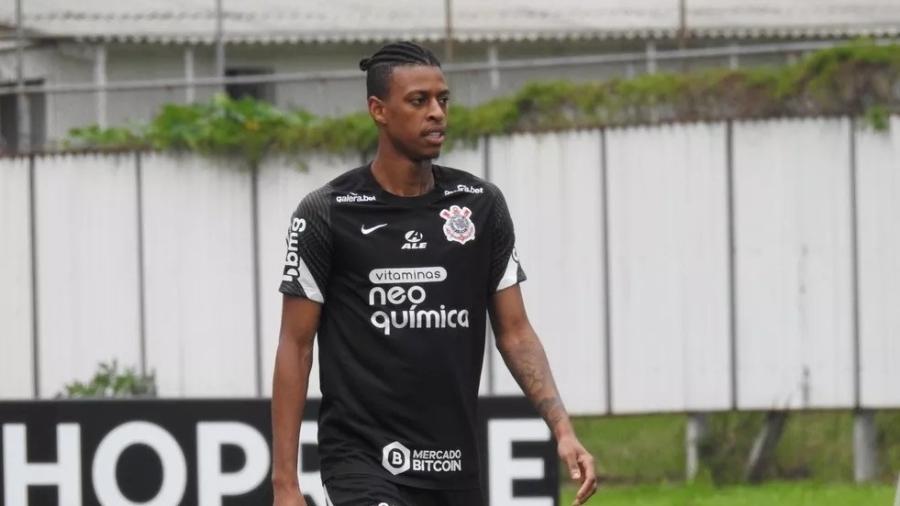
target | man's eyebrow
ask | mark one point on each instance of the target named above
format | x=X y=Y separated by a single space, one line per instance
x=423 y=91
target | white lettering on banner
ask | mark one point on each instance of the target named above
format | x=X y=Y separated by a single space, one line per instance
x=503 y=468
x=174 y=467
x=213 y=484
x=65 y=473
x=310 y=481
x=407 y=275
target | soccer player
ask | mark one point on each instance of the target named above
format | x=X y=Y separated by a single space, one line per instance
x=395 y=265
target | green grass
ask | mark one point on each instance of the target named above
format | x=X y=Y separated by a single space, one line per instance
x=771 y=494
x=817 y=446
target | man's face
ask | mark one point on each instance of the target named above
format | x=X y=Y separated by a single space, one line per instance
x=414 y=114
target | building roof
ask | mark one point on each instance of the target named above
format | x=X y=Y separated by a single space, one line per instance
x=280 y=21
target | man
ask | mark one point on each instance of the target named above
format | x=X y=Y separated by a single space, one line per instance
x=395 y=265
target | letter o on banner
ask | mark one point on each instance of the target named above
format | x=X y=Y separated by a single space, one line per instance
x=174 y=467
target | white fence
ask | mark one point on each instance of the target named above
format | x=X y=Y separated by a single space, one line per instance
x=696 y=267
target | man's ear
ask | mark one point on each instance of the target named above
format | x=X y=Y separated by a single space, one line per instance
x=377 y=110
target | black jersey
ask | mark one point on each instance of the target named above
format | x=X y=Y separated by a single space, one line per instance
x=404 y=283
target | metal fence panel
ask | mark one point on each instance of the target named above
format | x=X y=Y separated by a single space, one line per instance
x=669 y=258
x=471 y=159
x=16 y=374
x=282 y=185
x=87 y=251
x=552 y=183
x=878 y=201
x=793 y=264
x=199 y=276
x=668 y=247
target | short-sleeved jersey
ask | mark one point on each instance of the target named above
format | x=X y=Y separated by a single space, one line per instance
x=405 y=283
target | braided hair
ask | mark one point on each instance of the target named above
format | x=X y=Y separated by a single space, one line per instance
x=379 y=66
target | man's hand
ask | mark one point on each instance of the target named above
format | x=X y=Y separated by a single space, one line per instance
x=524 y=355
x=289 y=498
x=580 y=464
x=293 y=361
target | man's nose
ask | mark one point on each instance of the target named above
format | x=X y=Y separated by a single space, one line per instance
x=436 y=111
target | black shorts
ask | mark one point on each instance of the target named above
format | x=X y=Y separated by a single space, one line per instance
x=367 y=490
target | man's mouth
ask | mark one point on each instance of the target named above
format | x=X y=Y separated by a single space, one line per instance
x=434 y=135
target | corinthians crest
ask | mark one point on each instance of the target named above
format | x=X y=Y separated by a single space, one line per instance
x=459 y=226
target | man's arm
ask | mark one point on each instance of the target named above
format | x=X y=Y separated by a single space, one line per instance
x=293 y=361
x=524 y=355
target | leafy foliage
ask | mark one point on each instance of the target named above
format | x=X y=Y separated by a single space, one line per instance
x=109 y=381
x=861 y=79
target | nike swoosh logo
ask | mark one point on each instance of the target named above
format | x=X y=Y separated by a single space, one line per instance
x=367 y=231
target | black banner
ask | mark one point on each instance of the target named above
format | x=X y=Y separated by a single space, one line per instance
x=218 y=452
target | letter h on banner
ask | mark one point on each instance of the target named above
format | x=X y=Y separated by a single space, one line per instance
x=65 y=473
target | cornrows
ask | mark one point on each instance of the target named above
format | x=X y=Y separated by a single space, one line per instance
x=400 y=53
x=379 y=66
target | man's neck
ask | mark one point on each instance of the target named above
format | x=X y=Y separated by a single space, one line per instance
x=401 y=176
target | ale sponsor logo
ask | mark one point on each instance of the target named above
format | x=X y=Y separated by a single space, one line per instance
x=414 y=240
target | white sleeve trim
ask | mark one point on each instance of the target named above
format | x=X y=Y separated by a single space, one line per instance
x=308 y=283
x=511 y=274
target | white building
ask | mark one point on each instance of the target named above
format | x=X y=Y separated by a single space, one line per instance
x=97 y=42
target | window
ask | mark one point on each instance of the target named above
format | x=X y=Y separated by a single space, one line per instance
x=10 y=127
x=259 y=91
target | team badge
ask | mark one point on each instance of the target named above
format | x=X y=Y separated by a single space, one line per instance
x=459 y=226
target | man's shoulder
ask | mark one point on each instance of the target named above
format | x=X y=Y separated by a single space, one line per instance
x=348 y=186
x=456 y=180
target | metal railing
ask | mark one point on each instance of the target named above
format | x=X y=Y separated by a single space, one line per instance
x=101 y=86
x=649 y=57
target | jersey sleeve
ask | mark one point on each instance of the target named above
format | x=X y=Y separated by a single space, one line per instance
x=307 y=263
x=506 y=270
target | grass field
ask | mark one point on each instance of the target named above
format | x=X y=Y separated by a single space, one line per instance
x=816 y=446
x=770 y=494
x=641 y=461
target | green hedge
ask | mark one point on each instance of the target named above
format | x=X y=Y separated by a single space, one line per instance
x=861 y=79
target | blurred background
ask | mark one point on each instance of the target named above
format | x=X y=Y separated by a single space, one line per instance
x=706 y=195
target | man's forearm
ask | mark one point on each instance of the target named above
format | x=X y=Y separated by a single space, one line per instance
x=525 y=357
x=289 y=387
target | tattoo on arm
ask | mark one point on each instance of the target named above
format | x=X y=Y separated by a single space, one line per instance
x=528 y=364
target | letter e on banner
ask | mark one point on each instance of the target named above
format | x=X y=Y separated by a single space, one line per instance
x=503 y=468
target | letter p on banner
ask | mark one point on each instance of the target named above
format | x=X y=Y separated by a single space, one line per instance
x=213 y=484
